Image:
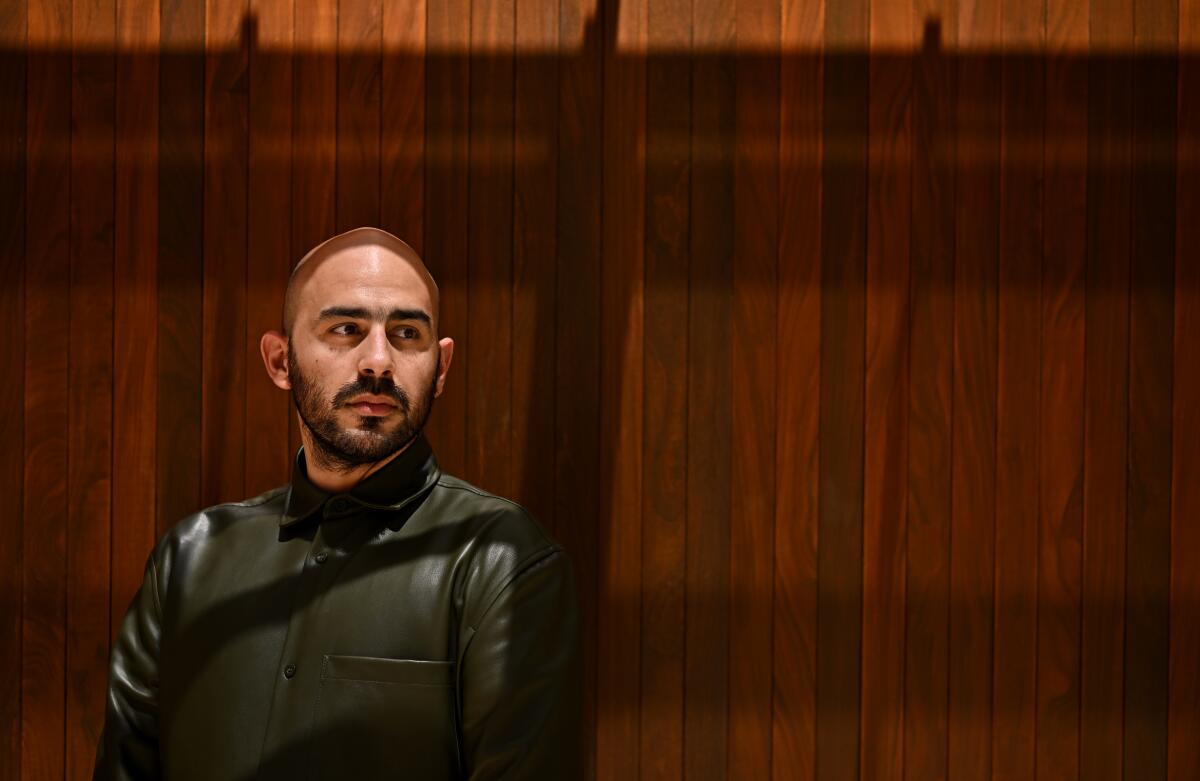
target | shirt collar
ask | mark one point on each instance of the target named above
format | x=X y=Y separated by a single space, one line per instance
x=405 y=476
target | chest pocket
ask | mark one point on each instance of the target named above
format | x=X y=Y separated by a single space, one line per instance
x=385 y=718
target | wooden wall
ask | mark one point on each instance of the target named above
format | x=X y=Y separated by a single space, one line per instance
x=851 y=348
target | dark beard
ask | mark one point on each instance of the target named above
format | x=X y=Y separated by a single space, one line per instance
x=341 y=449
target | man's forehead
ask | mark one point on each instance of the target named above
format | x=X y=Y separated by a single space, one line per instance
x=363 y=263
x=350 y=278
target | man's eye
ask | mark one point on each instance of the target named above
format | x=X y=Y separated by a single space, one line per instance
x=408 y=333
x=345 y=329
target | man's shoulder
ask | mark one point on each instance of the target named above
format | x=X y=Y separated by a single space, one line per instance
x=503 y=542
x=486 y=514
x=266 y=507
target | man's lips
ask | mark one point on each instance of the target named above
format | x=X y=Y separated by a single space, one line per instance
x=372 y=405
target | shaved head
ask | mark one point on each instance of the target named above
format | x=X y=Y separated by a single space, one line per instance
x=360 y=351
x=359 y=244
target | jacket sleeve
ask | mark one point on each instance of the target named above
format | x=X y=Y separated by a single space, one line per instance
x=129 y=744
x=521 y=679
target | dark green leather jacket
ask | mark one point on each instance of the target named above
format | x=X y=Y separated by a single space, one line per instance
x=414 y=628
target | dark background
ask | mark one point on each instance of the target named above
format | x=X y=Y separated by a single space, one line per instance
x=850 y=347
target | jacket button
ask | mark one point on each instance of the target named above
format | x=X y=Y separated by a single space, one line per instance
x=320 y=557
x=339 y=505
x=289 y=671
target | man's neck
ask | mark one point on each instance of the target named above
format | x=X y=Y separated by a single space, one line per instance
x=334 y=480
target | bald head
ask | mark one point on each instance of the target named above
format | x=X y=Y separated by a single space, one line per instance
x=370 y=252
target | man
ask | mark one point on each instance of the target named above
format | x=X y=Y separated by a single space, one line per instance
x=373 y=619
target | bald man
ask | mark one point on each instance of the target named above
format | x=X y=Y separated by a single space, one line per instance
x=373 y=618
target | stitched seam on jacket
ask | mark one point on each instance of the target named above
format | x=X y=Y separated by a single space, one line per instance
x=157 y=600
x=473 y=490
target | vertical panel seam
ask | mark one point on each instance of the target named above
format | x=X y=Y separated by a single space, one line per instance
x=1131 y=246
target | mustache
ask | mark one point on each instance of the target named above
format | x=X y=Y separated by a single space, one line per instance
x=376 y=386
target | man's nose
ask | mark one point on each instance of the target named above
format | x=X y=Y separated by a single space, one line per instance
x=375 y=354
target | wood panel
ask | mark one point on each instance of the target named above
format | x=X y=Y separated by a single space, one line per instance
x=1106 y=395
x=135 y=303
x=269 y=251
x=843 y=340
x=798 y=362
x=622 y=394
x=488 y=368
x=931 y=360
x=180 y=261
x=846 y=348
x=885 y=424
x=314 y=136
x=1183 y=753
x=90 y=380
x=1150 y=370
x=359 y=52
x=47 y=355
x=1061 y=400
x=402 y=122
x=12 y=371
x=534 y=204
x=1183 y=677
x=754 y=337
x=709 y=371
x=1018 y=373
x=447 y=105
x=223 y=401
x=577 y=326
x=12 y=354
x=665 y=444
x=973 y=404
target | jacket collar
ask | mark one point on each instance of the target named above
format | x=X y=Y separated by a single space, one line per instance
x=404 y=477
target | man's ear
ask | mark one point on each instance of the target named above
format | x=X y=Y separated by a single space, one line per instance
x=274 y=347
x=445 y=354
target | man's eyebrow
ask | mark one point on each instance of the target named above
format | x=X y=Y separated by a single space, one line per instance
x=360 y=313
x=410 y=314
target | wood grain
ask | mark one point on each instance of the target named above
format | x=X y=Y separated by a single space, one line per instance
x=1183 y=722
x=447 y=107
x=47 y=397
x=223 y=402
x=665 y=446
x=754 y=356
x=359 y=76
x=135 y=304
x=314 y=98
x=1106 y=394
x=798 y=362
x=843 y=368
x=709 y=372
x=1014 y=655
x=1150 y=377
x=402 y=122
x=269 y=252
x=973 y=423
x=931 y=371
x=489 y=367
x=578 y=328
x=885 y=425
x=534 y=202
x=13 y=165
x=851 y=368
x=1061 y=399
x=90 y=382
x=180 y=261
x=12 y=354
x=622 y=394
